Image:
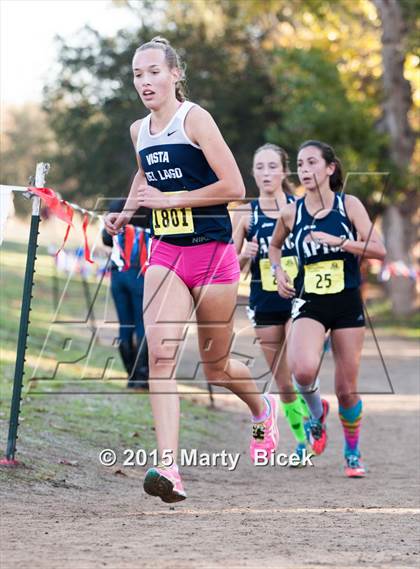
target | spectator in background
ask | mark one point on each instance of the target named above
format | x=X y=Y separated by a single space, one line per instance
x=128 y=265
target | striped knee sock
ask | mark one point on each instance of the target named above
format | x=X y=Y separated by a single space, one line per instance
x=294 y=415
x=350 y=419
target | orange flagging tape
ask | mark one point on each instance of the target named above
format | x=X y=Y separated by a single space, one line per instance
x=64 y=211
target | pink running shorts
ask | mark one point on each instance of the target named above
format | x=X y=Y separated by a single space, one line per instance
x=198 y=265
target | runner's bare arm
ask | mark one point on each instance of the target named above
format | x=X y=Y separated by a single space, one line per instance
x=139 y=178
x=240 y=225
x=203 y=131
x=369 y=244
x=281 y=231
x=114 y=222
x=283 y=227
x=239 y=217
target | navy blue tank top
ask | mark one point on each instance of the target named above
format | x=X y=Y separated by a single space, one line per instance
x=173 y=163
x=324 y=269
x=264 y=296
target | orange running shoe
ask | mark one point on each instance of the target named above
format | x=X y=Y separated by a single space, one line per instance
x=316 y=430
x=353 y=467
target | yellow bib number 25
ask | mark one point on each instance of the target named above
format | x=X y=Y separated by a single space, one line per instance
x=326 y=277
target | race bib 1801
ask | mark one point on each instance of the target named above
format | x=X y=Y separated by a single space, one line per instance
x=173 y=221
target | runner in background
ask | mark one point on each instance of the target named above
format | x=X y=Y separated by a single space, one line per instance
x=253 y=225
x=332 y=232
x=128 y=265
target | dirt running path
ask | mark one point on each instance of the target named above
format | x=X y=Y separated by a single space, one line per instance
x=252 y=517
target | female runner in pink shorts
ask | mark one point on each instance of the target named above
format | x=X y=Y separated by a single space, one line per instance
x=186 y=176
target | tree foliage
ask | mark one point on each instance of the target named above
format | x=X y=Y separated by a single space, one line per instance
x=273 y=71
x=25 y=140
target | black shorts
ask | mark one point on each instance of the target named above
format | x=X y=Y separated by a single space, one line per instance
x=333 y=311
x=259 y=318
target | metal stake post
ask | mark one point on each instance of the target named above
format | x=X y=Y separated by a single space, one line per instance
x=41 y=171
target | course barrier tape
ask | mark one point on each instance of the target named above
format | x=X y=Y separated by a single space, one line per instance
x=65 y=211
x=385 y=271
x=60 y=208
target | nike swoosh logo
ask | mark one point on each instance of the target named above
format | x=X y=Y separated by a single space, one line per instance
x=169 y=133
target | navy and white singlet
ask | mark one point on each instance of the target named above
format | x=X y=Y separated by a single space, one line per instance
x=173 y=163
x=264 y=296
x=324 y=270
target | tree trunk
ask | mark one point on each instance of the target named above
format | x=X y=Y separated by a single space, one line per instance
x=401 y=289
x=398 y=96
x=396 y=106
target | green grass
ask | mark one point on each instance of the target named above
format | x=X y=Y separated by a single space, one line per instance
x=55 y=424
x=386 y=322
